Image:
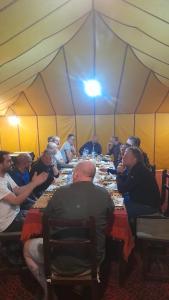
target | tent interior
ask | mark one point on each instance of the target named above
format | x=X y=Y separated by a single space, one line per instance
x=49 y=48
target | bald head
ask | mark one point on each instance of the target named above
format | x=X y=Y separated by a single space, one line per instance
x=84 y=171
x=52 y=147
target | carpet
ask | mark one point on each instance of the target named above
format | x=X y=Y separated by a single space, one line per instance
x=15 y=287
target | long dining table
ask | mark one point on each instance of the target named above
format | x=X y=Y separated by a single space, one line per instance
x=118 y=227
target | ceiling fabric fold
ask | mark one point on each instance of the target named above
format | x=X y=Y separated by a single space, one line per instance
x=48 y=48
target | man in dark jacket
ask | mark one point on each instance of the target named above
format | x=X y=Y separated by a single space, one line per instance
x=140 y=184
x=79 y=200
x=91 y=147
x=44 y=164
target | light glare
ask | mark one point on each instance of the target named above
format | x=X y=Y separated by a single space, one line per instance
x=13 y=120
x=92 y=88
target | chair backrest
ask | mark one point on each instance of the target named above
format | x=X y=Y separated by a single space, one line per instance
x=88 y=243
x=165 y=190
x=152 y=228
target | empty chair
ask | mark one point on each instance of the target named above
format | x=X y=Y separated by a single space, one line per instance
x=153 y=238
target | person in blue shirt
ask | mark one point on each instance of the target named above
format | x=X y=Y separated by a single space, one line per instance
x=20 y=171
x=91 y=147
x=20 y=174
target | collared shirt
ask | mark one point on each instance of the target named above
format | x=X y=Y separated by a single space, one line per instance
x=19 y=177
x=8 y=211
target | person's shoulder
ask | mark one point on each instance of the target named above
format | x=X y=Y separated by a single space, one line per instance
x=63 y=189
x=100 y=189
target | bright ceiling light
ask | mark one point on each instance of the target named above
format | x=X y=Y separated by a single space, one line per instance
x=13 y=120
x=92 y=88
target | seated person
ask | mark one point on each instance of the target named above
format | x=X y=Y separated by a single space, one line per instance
x=123 y=148
x=12 y=196
x=91 y=147
x=20 y=171
x=54 y=139
x=44 y=164
x=113 y=148
x=20 y=174
x=79 y=200
x=53 y=149
x=68 y=149
x=143 y=196
x=136 y=142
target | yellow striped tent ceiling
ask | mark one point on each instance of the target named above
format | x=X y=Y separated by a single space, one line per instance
x=48 y=48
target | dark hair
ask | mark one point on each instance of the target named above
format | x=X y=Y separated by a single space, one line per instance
x=50 y=139
x=70 y=135
x=2 y=153
x=137 y=154
x=116 y=138
x=135 y=141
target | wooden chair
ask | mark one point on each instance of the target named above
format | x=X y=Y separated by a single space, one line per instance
x=153 y=236
x=165 y=192
x=88 y=244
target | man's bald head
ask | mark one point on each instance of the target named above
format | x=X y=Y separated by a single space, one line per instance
x=84 y=171
x=52 y=147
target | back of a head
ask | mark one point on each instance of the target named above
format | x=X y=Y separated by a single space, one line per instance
x=84 y=171
x=51 y=146
x=133 y=141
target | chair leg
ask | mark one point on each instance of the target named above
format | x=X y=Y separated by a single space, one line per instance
x=94 y=291
x=51 y=293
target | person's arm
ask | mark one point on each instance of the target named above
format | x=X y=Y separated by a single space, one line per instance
x=54 y=205
x=99 y=149
x=73 y=150
x=55 y=171
x=109 y=147
x=126 y=183
x=110 y=207
x=81 y=149
x=23 y=192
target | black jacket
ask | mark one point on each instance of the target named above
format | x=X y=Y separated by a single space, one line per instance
x=39 y=167
x=91 y=147
x=141 y=186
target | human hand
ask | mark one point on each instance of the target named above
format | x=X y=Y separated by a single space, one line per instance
x=39 y=179
x=121 y=168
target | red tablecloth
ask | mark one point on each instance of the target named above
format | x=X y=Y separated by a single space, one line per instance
x=118 y=229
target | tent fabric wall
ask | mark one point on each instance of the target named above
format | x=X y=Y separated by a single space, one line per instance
x=49 y=49
x=32 y=132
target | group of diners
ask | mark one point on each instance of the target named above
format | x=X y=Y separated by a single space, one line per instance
x=23 y=183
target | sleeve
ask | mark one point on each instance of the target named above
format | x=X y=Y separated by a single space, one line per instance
x=126 y=183
x=54 y=206
x=100 y=149
x=110 y=207
x=4 y=190
x=12 y=182
x=81 y=149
